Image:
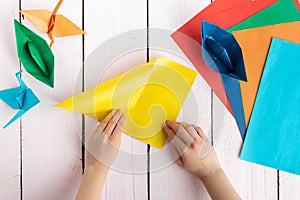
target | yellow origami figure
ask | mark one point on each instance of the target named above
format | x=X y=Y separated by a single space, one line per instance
x=148 y=95
x=52 y=23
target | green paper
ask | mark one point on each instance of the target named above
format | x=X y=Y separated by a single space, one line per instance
x=35 y=54
x=281 y=12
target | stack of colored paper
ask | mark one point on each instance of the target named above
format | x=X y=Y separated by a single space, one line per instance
x=268 y=33
x=273 y=135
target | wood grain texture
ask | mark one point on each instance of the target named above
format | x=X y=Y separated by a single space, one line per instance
x=289 y=185
x=41 y=153
x=52 y=155
x=103 y=20
x=9 y=137
x=170 y=181
x=250 y=180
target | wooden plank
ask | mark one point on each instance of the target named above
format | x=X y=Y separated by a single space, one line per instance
x=102 y=22
x=167 y=180
x=289 y=185
x=9 y=137
x=52 y=148
x=250 y=180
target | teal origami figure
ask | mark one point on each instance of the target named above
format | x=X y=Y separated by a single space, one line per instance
x=21 y=98
x=222 y=54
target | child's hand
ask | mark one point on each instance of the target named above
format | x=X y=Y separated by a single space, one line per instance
x=102 y=148
x=104 y=143
x=188 y=141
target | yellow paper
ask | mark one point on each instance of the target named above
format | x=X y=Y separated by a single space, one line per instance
x=52 y=23
x=149 y=95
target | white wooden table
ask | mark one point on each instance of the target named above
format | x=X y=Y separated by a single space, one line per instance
x=41 y=154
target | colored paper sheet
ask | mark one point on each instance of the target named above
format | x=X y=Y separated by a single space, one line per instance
x=273 y=134
x=222 y=54
x=149 y=95
x=224 y=13
x=35 y=54
x=255 y=44
x=21 y=98
x=52 y=23
x=281 y=12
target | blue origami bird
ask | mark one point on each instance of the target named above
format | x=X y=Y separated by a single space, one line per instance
x=21 y=98
x=222 y=54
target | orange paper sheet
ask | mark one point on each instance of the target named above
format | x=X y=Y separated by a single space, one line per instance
x=255 y=45
x=52 y=23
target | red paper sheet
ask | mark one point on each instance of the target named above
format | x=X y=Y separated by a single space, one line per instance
x=224 y=13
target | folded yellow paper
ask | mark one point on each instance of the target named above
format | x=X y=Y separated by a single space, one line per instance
x=149 y=95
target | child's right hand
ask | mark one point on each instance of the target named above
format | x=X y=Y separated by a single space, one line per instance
x=189 y=140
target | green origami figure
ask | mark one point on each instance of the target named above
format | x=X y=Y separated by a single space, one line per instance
x=35 y=54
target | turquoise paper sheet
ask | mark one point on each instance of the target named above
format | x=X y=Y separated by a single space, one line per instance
x=273 y=136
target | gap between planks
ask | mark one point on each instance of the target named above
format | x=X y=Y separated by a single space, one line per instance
x=82 y=89
x=21 y=133
x=148 y=146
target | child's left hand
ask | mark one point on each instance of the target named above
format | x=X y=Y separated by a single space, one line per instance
x=104 y=143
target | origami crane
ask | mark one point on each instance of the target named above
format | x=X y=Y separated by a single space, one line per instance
x=226 y=14
x=149 y=95
x=21 y=98
x=35 y=54
x=52 y=23
x=222 y=54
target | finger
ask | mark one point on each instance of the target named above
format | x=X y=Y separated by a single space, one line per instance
x=173 y=125
x=199 y=131
x=184 y=136
x=179 y=162
x=174 y=153
x=192 y=131
x=175 y=140
x=105 y=121
x=169 y=131
x=97 y=131
x=111 y=125
x=120 y=124
x=180 y=132
x=115 y=138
